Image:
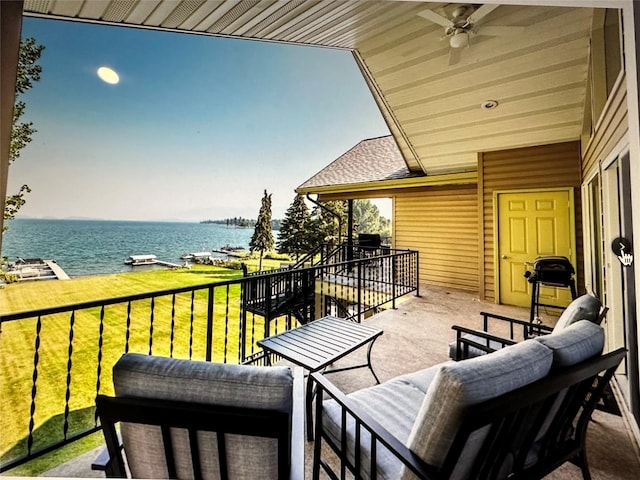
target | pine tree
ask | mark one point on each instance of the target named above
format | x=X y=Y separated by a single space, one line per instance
x=293 y=238
x=262 y=239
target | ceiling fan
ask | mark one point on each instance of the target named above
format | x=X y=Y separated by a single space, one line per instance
x=464 y=22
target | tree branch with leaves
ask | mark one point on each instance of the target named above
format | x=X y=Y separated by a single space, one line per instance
x=21 y=132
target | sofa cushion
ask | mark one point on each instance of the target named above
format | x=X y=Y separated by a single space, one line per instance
x=147 y=376
x=585 y=307
x=575 y=343
x=458 y=385
x=394 y=404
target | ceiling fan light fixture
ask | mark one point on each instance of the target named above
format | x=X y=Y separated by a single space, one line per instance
x=459 y=40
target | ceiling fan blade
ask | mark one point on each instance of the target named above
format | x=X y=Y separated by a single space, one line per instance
x=496 y=31
x=481 y=12
x=435 y=18
x=454 y=55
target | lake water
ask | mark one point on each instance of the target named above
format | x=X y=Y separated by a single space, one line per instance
x=94 y=247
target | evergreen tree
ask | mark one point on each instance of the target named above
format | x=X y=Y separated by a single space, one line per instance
x=28 y=71
x=367 y=219
x=325 y=227
x=293 y=238
x=262 y=239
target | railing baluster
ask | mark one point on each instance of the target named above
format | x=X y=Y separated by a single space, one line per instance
x=67 y=394
x=34 y=388
x=209 y=346
x=191 y=308
x=241 y=335
x=128 y=331
x=226 y=324
x=151 y=318
x=99 y=362
x=173 y=324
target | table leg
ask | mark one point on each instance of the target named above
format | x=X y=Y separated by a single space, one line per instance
x=308 y=407
x=369 y=360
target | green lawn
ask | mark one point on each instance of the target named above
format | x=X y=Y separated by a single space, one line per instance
x=18 y=349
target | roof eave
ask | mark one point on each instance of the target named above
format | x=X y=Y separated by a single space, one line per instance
x=413 y=182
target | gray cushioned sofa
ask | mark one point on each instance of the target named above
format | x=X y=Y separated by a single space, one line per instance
x=446 y=421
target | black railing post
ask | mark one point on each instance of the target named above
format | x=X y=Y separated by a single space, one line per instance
x=393 y=282
x=209 y=346
x=267 y=305
x=417 y=256
x=243 y=321
x=359 y=292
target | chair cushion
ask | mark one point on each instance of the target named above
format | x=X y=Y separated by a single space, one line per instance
x=575 y=343
x=585 y=307
x=136 y=375
x=460 y=384
x=146 y=376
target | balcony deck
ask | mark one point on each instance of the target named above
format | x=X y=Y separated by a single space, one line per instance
x=416 y=335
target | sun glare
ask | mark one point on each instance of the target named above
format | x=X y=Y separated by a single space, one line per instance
x=108 y=75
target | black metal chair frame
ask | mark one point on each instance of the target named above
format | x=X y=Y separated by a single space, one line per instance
x=286 y=427
x=524 y=327
x=514 y=421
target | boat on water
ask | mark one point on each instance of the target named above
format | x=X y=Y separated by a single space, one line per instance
x=135 y=260
x=231 y=251
x=195 y=256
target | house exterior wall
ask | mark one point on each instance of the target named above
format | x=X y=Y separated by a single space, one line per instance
x=556 y=165
x=609 y=131
x=442 y=224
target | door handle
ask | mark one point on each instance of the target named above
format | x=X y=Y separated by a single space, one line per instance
x=504 y=257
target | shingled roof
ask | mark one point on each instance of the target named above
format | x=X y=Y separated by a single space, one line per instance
x=371 y=160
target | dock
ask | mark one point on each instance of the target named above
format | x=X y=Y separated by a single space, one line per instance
x=168 y=264
x=57 y=270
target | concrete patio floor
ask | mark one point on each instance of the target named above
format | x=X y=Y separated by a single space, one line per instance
x=416 y=335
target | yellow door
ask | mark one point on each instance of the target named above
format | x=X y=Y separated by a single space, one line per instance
x=530 y=225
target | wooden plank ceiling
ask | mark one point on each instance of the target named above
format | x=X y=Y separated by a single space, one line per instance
x=434 y=109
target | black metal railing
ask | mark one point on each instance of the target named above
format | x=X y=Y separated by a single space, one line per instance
x=56 y=360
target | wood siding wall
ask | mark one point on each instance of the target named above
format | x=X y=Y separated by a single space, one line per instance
x=442 y=224
x=557 y=165
x=610 y=129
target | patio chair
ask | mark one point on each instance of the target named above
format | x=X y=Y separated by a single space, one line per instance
x=472 y=343
x=188 y=419
x=519 y=412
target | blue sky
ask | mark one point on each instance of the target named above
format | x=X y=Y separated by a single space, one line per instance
x=198 y=127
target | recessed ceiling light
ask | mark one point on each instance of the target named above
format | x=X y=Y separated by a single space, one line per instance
x=489 y=104
x=108 y=75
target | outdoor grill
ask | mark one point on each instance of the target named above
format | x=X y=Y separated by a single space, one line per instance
x=550 y=271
